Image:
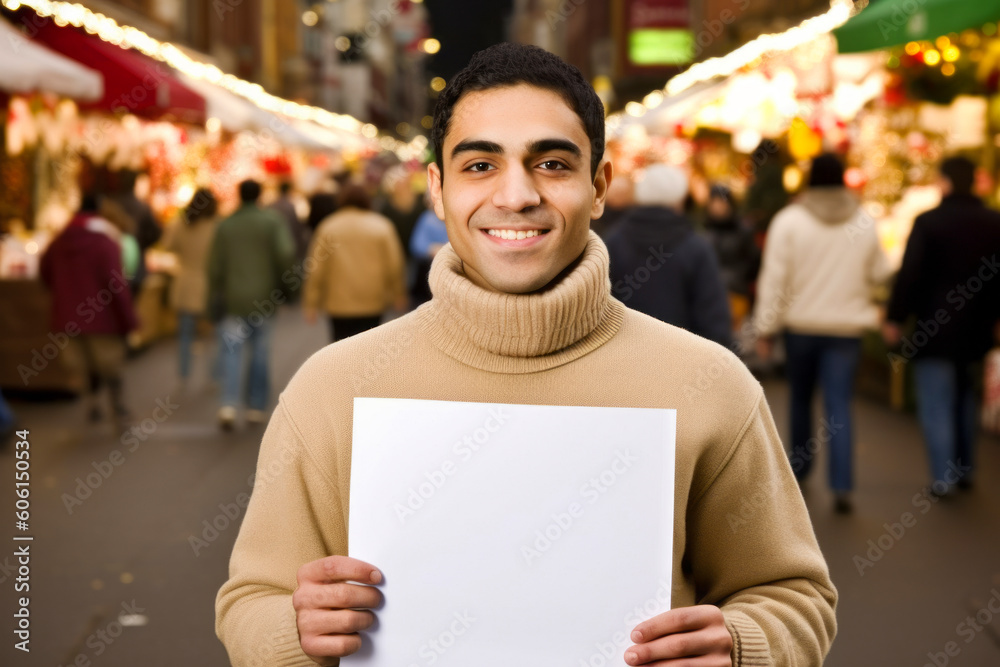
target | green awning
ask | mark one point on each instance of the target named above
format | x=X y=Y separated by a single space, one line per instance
x=886 y=23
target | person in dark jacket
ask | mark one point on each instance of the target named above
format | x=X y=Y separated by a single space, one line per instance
x=948 y=282
x=91 y=302
x=660 y=266
x=734 y=248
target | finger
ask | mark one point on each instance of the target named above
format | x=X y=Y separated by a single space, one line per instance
x=339 y=568
x=339 y=622
x=330 y=646
x=704 y=647
x=685 y=619
x=336 y=596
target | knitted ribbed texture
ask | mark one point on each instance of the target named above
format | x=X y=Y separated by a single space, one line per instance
x=750 y=646
x=522 y=333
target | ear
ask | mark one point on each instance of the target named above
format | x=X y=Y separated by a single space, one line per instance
x=602 y=180
x=434 y=185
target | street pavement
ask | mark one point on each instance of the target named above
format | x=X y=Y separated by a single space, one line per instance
x=133 y=530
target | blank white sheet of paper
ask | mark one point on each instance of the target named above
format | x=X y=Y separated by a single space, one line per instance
x=511 y=534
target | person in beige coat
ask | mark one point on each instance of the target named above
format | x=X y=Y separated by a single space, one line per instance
x=190 y=238
x=355 y=267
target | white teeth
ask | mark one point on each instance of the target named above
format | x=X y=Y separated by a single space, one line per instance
x=512 y=234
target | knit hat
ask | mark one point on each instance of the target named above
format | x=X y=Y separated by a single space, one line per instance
x=661 y=185
x=826 y=172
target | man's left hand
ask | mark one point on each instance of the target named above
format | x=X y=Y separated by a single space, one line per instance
x=692 y=636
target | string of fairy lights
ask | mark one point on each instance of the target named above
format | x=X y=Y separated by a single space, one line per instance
x=109 y=30
x=838 y=14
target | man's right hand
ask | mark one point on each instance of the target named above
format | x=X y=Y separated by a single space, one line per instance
x=329 y=611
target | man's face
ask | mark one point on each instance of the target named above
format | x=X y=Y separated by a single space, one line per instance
x=516 y=192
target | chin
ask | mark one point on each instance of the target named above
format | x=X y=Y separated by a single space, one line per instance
x=519 y=284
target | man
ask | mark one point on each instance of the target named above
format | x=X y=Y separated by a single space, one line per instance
x=250 y=253
x=660 y=267
x=522 y=313
x=822 y=266
x=91 y=303
x=355 y=267
x=948 y=281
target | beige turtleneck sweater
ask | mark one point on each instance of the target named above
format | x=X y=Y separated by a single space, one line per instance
x=742 y=537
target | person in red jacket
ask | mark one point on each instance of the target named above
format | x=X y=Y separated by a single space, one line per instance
x=91 y=302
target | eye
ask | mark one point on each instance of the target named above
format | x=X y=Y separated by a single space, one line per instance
x=480 y=167
x=552 y=165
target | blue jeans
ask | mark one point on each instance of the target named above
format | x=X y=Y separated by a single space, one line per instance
x=946 y=405
x=234 y=332
x=831 y=362
x=187 y=331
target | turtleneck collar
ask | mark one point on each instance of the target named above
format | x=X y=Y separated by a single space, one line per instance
x=522 y=333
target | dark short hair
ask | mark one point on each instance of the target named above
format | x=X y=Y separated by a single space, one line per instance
x=827 y=171
x=202 y=205
x=353 y=194
x=249 y=191
x=506 y=64
x=285 y=187
x=961 y=172
x=90 y=202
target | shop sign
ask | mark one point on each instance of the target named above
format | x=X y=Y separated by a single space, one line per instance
x=658 y=33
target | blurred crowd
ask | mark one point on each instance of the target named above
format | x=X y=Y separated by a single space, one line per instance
x=790 y=284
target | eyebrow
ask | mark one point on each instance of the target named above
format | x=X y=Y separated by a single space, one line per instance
x=477 y=146
x=540 y=146
x=548 y=145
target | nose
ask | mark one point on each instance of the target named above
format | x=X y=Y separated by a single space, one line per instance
x=515 y=190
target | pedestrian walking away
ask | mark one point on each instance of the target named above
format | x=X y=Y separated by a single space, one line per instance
x=947 y=290
x=91 y=303
x=660 y=266
x=822 y=264
x=249 y=270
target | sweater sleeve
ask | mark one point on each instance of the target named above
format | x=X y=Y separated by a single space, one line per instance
x=752 y=552
x=282 y=530
x=772 y=287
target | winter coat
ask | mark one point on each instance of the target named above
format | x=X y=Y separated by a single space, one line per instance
x=661 y=267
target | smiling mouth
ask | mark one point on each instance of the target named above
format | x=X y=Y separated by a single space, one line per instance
x=515 y=234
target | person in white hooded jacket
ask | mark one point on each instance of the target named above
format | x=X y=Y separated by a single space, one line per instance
x=822 y=264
